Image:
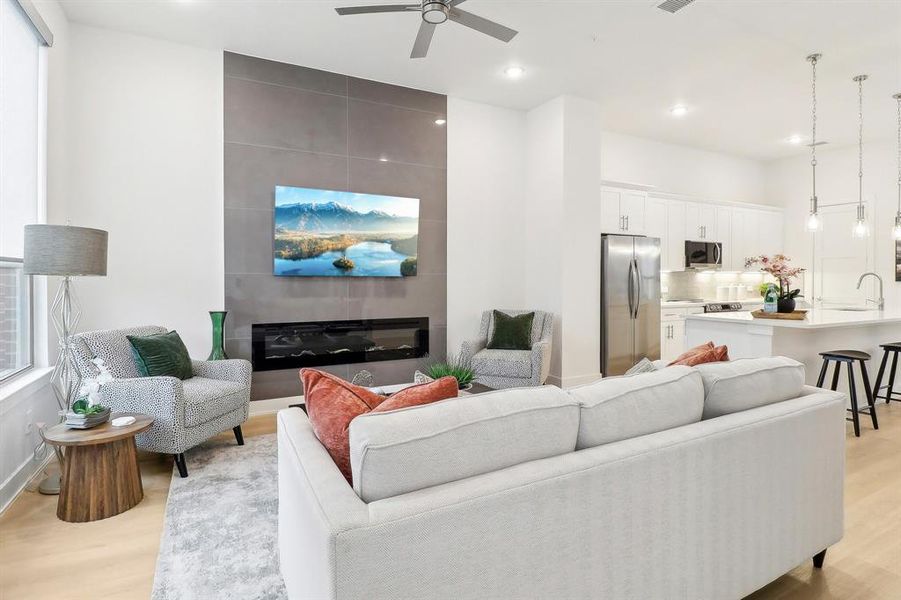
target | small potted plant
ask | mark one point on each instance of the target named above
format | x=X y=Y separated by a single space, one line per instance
x=777 y=266
x=87 y=412
x=457 y=367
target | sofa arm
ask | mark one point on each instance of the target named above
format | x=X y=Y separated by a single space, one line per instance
x=541 y=361
x=469 y=348
x=234 y=369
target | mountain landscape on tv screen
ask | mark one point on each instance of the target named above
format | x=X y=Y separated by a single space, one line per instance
x=342 y=234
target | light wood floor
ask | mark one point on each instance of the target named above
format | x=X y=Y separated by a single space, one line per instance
x=41 y=557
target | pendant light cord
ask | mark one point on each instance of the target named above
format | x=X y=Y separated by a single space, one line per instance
x=898 y=98
x=813 y=135
x=860 y=139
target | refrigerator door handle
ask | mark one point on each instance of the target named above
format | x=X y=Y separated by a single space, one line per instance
x=637 y=288
x=631 y=292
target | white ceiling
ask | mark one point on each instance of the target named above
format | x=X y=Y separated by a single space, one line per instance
x=737 y=64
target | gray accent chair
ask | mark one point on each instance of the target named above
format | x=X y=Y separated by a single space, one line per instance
x=511 y=368
x=185 y=413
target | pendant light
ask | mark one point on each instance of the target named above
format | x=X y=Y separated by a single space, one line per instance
x=861 y=229
x=896 y=230
x=813 y=220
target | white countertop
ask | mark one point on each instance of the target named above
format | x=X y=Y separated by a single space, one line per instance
x=687 y=304
x=819 y=318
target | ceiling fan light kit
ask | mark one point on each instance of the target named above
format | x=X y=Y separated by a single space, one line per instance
x=434 y=13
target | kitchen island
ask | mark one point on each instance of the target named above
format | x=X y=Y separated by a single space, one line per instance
x=823 y=329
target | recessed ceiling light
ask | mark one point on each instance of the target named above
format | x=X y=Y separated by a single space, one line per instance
x=383 y=159
x=514 y=72
x=440 y=121
x=794 y=139
x=679 y=110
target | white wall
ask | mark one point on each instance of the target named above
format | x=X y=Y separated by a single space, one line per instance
x=485 y=196
x=145 y=152
x=789 y=183
x=683 y=170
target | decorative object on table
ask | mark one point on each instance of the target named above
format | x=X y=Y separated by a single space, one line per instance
x=861 y=228
x=777 y=266
x=122 y=421
x=770 y=299
x=186 y=412
x=499 y=369
x=419 y=378
x=100 y=470
x=457 y=366
x=813 y=220
x=67 y=252
x=363 y=379
x=87 y=412
x=797 y=315
x=217 y=317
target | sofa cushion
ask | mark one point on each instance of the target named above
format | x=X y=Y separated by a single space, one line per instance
x=691 y=352
x=161 y=355
x=206 y=399
x=717 y=354
x=748 y=383
x=113 y=347
x=503 y=363
x=511 y=332
x=401 y=451
x=618 y=408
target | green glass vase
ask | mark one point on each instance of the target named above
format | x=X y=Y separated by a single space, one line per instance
x=218 y=351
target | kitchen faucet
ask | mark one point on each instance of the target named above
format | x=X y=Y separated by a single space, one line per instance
x=880 y=303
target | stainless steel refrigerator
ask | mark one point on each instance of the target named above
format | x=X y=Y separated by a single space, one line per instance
x=630 y=301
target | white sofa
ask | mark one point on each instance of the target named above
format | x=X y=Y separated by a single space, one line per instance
x=613 y=490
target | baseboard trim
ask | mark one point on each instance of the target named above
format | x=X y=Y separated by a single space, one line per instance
x=16 y=483
x=569 y=382
x=273 y=405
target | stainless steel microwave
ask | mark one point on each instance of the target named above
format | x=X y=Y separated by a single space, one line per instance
x=703 y=255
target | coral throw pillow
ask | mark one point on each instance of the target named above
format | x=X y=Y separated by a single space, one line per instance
x=691 y=352
x=718 y=354
x=333 y=403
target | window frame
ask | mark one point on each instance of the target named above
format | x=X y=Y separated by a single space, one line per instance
x=29 y=303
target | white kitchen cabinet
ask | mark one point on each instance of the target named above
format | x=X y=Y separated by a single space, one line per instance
x=745 y=238
x=655 y=226
x=623 y=211
x=675 y=236
x=672 y=330
x=700 y=221
x=723 y=235
x=771 y=232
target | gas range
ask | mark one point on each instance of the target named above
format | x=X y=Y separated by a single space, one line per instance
x=718 y=307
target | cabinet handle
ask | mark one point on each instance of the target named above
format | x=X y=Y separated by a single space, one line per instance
x=627 y=222
x=622 y=223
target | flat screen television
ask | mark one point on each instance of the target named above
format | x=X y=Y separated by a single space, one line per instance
x=328 y=233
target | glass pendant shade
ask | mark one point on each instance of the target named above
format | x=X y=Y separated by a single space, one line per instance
x=896 y=230
x=813 y=222
x=861 y=228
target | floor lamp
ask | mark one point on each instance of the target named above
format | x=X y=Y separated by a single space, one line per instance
x=67 y=252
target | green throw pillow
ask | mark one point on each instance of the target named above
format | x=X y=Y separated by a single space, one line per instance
x=163 y=354
x=512 y=333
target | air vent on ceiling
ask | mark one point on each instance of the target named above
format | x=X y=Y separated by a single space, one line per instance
x=817 y=144
x=672 y=6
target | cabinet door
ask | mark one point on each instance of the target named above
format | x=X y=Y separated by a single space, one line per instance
x=655 y=227
x=707 y=221
x=692 y=222
x=771 y=232
x=675 y=236
x=745 y=236
x=611 y=221
x=632 y=206
x=723 y=234
x=677 y=337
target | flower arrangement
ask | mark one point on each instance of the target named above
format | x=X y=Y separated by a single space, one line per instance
x=88 y=402
x=457 y=367
x=777 y=266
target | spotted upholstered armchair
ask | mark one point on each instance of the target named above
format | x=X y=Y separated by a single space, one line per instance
x=511 y=368
x=185 y=413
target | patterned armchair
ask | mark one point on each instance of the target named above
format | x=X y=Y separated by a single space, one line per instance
x=511 y=368
x=185 y=413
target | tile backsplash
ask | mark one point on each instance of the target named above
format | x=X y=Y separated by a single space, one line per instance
x=683 y=285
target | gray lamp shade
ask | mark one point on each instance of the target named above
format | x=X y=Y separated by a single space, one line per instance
x=64 y=250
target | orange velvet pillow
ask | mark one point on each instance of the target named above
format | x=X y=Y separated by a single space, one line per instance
x=691 y=352
x=333 y=403
x=718 y=354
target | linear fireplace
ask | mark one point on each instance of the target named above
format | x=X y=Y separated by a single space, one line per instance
x=320 y=343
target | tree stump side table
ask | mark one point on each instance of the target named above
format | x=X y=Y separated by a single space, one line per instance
x=100 y=477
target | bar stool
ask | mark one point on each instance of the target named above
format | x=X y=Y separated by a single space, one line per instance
x=893 y=348
x=849 y=357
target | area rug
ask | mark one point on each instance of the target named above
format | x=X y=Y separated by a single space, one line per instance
x=220 y=536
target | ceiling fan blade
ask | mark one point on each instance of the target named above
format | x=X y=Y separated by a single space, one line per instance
x=481 y=24
x=456 y=2
x=378 y=8
x=423 y=40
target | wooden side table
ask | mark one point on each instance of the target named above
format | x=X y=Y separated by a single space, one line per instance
x=100 y=474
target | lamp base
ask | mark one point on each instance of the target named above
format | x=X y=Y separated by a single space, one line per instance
x=50 y=485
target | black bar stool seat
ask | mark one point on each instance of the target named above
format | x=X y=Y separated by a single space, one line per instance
x=849 y=357
x=893 y=348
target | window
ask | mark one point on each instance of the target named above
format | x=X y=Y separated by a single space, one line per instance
x=22 y=118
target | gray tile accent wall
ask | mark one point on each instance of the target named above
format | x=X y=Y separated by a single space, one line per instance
x=290 y=125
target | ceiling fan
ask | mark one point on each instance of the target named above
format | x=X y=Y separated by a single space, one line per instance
x=434 y=13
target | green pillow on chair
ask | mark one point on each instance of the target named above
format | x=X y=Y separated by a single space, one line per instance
x=161 y=355
x=512 y=333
